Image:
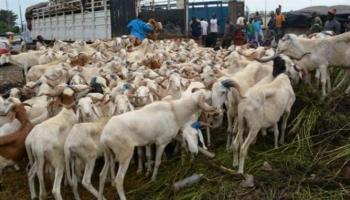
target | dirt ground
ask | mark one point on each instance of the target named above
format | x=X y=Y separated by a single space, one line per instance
x=10 y=76
x=10 y=73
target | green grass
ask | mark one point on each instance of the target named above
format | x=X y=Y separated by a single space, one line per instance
x=309 y=166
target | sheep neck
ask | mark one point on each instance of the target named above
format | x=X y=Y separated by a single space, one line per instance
x=183 y=109
x=21 y=114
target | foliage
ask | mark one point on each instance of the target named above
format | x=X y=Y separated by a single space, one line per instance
x=8 y=21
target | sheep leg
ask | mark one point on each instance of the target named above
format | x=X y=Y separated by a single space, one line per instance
x=56 y=190
x=329 y=83
x=244 y=149
x=324 y=76
x=318 y=77
x=74 y=181
x=229 y=130
x=234 y=132
x=208 y=136
x=284 y=126
x=201 y=139
x=149 y=161
x=236 y=144
x=159 y=153
x=235 y=147
x=140 y=164
x=31 y=182
x=276 y=133
x=112 y=168
x=40 y=173
x=208 y=131
x=89 y=169
x=103 y=174
x=123 y=168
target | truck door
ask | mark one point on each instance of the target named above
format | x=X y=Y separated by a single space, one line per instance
x=122 y=11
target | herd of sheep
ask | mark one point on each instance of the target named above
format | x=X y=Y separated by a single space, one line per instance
x=84 y=101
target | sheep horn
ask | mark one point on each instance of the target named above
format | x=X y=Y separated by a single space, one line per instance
x=302 y=56
x=204 y=106
x=231 y=83
x=265 y=60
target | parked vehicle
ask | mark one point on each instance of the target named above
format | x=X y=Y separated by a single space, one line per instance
x=4 y=48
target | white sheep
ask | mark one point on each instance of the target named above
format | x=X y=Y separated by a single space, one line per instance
x=45 y=145
x=262 y=107
x=125 y=132
x=83 y=144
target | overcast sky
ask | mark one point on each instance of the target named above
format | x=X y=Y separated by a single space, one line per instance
x=253 y=5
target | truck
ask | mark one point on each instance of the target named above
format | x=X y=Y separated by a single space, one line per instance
x=88 y=20
x=70 y=20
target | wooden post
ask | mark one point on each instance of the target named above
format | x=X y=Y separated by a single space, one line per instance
x=186 y=17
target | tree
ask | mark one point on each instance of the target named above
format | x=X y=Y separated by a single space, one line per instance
x=8 y=21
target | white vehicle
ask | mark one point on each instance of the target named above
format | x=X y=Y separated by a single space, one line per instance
x=69 y=20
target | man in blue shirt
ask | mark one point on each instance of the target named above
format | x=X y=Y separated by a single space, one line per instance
x=259 y=35
x=139 y=29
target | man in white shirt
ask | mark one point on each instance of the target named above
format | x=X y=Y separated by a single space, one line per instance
x=204 y=26
x=214 y=29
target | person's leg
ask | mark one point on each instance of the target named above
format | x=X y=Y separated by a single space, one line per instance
x=215 y=39
x=262 y=35
x=204 y=37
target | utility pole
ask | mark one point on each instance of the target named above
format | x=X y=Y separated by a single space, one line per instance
x=20 y=16
x=7 y=5
x=186 y=17
x=265 y=14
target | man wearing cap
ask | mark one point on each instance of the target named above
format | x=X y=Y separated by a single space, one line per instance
x=332 y=24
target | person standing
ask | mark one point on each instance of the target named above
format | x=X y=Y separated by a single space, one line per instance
x=316 y=24
x=271 y=29
x=214 y=29
x=240 y=33
x=228 y=34
x=347 y=25
x=332 y=24
x=196 y=29
x=258 y=17
x=279 y=20
x=138 y=30
x=250 y=32
x=204 y=27
x=259 y=35
x=40 y=42
x=271 y=23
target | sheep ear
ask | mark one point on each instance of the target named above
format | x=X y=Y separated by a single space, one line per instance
x=227 y=83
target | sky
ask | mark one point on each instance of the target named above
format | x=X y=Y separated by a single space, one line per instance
x=253 y=5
